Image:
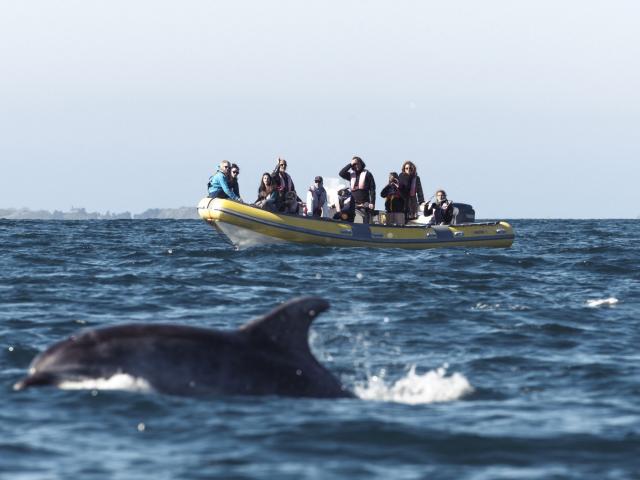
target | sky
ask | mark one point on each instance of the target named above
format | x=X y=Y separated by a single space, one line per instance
x=527 y=109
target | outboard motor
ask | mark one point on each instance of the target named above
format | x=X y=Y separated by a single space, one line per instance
x=463 y=213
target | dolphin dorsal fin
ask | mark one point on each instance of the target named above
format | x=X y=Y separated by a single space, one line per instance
x=288 y=325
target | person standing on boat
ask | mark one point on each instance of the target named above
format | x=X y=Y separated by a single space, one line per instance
x=363 y=186
x=411 y=189
x=233 y=179
x=441 y=209
x=219 y=183
x=394 y=200
x=317 y=200
x=283 y=182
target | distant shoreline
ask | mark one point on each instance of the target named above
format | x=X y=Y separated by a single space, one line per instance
x=181 y=213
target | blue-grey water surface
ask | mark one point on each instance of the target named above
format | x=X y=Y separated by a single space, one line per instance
x=546 y=333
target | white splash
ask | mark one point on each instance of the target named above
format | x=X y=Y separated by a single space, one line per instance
x=414 y=389
x=119 y=381
x=602 y=301
x=332 y=185
x=498 y=306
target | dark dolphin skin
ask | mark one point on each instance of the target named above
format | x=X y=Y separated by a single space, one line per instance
x=268 y=356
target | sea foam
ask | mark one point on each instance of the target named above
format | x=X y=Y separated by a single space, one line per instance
x=119 y=381
x=601 y=302
x=413 y=388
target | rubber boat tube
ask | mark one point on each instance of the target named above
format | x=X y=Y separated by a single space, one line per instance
x=245 y=226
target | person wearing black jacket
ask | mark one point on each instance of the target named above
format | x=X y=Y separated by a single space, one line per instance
x=363 y=186
x=442 y=209
x=346 y=208
x=283 y=184
x=233 y=179
x=411 y=189
x=394 y=201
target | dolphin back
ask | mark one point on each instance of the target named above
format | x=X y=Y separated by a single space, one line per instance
x=268 y=356
x=285 y=333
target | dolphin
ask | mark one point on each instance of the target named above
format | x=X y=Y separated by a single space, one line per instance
x=268 y=356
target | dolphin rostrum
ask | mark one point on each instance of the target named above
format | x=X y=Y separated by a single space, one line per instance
x=268 y=356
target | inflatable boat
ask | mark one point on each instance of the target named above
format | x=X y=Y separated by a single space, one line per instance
x=246 y=226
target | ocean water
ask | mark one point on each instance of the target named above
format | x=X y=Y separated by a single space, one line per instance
x=467 y=364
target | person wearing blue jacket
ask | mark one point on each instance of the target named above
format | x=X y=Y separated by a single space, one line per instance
x=219 y=185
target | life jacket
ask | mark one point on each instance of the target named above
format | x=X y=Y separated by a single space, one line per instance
x=412 y=189
x=393 y=197
x=360 y=185
x=319 y=196
x=285 y=184
x=394 y=192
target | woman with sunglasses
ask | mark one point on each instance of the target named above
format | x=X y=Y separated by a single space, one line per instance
x=411 y=189
x=233 y=179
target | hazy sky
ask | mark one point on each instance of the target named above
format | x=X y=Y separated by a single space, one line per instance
x=521 y=108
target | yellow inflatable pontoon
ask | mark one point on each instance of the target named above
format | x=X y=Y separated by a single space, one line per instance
x=245 y=226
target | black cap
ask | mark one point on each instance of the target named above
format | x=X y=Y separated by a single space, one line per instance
x=318 y=179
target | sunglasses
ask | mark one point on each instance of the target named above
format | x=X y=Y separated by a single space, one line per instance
x=225 y=167
x=235 y=171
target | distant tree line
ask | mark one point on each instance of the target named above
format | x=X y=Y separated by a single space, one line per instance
x=182 y=213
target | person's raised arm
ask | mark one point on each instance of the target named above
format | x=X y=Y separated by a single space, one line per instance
x=344 y=173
